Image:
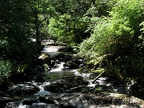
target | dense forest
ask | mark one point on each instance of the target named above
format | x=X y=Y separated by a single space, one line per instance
x=108 y=34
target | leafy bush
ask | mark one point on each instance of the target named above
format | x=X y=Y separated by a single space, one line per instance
x=116 y=42
x=67 y=29
x=5 y=69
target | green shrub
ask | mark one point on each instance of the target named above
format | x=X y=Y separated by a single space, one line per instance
x=5 y=69
x=116 y=42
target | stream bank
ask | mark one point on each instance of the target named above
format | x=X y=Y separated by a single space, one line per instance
x=60 y=85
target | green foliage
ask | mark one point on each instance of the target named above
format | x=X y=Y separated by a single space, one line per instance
x=5 y=69
x=76 y=18
x=67 y=29
x=116 y=42
x=101 y=8
x=58 y=27
x=18 y=25
x=68 y=25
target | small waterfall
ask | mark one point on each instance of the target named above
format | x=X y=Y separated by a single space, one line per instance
x=86 y=102
x=22 y=106
x=91 y=84
x=99 y=81
x=59 y=68
x=42 y=92
x=51 y=48
x=34 y=105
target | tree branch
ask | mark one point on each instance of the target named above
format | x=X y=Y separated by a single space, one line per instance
x=43 y=20
x=98 y=77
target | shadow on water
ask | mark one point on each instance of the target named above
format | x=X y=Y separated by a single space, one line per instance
x=52 y=76
x=59 y=72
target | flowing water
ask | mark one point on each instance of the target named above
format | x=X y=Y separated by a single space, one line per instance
x=52 y=75
x=57 y=73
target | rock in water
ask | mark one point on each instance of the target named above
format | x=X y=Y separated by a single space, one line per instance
x=39 y=79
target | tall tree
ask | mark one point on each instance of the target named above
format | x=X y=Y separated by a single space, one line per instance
x=17 y=29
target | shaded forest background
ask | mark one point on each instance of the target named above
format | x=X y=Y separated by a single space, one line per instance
x=108 y=34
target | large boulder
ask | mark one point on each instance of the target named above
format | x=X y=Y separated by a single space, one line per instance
x=48 y=99
x=74 y=63
x=65 y=84
x=21 y=89
x=39 y=79
x=106 y=100
x=29 y=101
x=4 y=100
x=44 y=58
x=78 y=100
x=71 y=65
x=66 y=49
x=47 y=62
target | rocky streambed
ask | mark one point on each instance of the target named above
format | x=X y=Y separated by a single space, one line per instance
x=62 y=86
x=67 y=92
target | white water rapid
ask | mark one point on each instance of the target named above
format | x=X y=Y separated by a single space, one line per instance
x=58 y=72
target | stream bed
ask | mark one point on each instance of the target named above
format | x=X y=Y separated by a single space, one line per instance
x=62 y=86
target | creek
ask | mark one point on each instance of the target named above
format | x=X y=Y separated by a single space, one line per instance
x=62 y=86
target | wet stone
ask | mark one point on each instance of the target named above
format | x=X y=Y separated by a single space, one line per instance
x=65 y=84
x=29 y=101
x=67 y=92
x=39 y=79
x=43 y=105
x=21 y=89
x=47 y=99
x=4 y=100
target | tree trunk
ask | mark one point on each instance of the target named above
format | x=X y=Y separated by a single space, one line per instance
x=37 y=28
x=98 y=77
